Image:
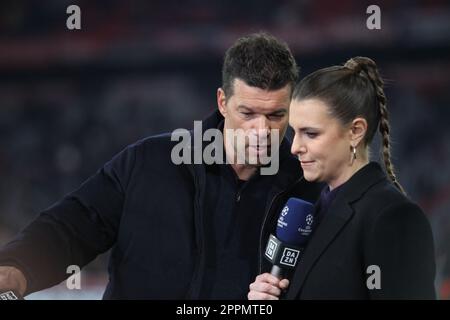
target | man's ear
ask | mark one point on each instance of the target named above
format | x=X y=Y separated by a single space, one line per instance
x=221 y=102
x=358 y=131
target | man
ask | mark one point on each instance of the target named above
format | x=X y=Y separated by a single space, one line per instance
x=177 y=231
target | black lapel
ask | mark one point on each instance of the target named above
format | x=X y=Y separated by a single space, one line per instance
x=339 y=213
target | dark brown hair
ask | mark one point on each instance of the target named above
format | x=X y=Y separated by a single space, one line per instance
x=351 y=91
x=260 y=60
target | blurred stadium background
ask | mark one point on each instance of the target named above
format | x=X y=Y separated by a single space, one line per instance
x=70 y=100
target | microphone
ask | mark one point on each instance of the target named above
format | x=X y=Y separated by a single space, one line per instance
x=294 y=227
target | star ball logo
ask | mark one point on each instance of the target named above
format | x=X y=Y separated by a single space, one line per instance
x=309 y=219
x=306 y=229
x=285 y=211
x=281 y=223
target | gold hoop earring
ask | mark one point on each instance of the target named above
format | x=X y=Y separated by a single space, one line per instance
x=353 y=154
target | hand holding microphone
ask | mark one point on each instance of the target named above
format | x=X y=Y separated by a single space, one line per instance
x=267 y=287
x=284 y=250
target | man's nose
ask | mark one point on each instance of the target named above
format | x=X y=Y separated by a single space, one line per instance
x=262 y=123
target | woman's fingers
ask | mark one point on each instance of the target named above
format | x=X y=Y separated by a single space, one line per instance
x=254 y=295
x=266 y=287
x=284 y=284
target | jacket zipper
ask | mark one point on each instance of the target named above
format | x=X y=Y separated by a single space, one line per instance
x=191 y=294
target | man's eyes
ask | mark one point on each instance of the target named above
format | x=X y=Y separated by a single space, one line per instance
x=276 y=116
x=270 y=116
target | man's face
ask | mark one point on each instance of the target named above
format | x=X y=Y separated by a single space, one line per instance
x=258 y=113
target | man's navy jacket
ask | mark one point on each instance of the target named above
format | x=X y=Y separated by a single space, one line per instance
x=149 y=211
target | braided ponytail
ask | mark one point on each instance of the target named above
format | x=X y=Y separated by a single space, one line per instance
x=369 y=67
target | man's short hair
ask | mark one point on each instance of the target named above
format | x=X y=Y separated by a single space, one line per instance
x=260 y=60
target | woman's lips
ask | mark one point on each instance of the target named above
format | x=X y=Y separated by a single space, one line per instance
x=306 y=163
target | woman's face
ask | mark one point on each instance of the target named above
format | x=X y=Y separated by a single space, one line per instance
x=321 y=142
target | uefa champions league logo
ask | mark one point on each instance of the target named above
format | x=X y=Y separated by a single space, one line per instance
x=281 y=223
x=309 y=219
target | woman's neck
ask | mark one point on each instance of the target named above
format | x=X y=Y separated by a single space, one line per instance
x=347 y=174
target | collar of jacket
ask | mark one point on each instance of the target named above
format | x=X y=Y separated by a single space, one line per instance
x=339 y=213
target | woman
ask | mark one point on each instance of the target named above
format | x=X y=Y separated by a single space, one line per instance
x=370 y=240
